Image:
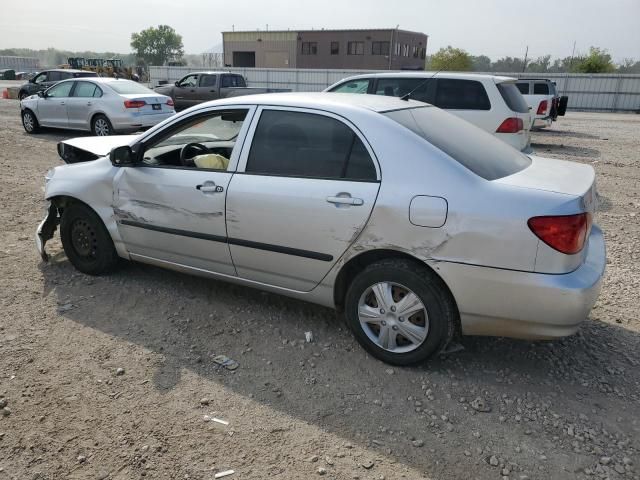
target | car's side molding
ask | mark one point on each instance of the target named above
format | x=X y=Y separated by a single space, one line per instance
x=233 y=241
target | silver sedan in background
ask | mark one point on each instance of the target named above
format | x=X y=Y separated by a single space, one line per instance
x=103 y=106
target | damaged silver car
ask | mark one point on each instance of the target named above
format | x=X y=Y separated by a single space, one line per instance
x=415 y=224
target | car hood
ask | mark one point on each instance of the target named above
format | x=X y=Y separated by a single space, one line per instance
x=83 y=149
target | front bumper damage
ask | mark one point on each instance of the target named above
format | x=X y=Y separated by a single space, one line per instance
x=46 y=229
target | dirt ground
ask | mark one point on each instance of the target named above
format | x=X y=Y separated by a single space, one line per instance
x=568 y=409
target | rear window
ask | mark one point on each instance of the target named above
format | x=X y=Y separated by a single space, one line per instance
x=461 y=95
x=477 y=150
x=85 y=74
x=127 y=87
x=512 y=97
x=540 y=89
x=523 y=87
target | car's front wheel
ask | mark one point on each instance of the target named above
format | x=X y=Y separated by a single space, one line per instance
x=30 y=122
x=400 y=312
x=85 y=240
x=101 y=126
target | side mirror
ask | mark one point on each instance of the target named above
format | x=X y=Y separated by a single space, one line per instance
x=177 y=83
x=41 y=94
x=32 y=80
x=121 y=156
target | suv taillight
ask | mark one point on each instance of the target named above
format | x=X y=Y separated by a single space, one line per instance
x=170 y=102
x=134 y=103
x=511 y=125
x=566 y=233
x=542 y=108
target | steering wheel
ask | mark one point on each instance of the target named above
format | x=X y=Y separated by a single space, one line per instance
x=183 y=153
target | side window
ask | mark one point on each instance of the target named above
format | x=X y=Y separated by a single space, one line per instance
x=85 y=90
x=232 y=81
x=53 y=77
x=208 y=80
x=205 y=142
x=60 y=90
x=399 y=87
x=41 y=78
x=189 y=81
x=461 y=95
x=523 y=87
x=296 y=144
x=65 y=75
x=540 y=89
x=353 y=86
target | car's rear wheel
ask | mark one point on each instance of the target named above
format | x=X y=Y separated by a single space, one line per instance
x=30 y=122
x=101 y=126
x=400 y=312
x=85 y=240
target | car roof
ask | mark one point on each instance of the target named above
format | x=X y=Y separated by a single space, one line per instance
x=426 y=75
x=212 y=72
x=69 y=70
x=96 y=79
x=535 y=79
x=336 y=102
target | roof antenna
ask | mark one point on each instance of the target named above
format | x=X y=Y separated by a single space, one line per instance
x=407 y=97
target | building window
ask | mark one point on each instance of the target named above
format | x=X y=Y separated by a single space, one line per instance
x=335 y=48
x=423 y=53
x=398 y=46
x=309 y=48
x=415 y=52
x=355 y=48
x=405 y=50
x=379 y=48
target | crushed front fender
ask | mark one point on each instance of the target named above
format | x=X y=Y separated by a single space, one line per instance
x=46 y=229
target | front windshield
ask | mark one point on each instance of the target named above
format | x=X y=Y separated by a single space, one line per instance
x=221 y=128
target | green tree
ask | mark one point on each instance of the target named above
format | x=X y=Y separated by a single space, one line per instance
x=540 y=64
x=629 y=65
x=156 y=46
x=508 y=65
x=598 y=61
x=481 y=63
x=451 y=59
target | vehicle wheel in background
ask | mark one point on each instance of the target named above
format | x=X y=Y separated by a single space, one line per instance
x=30 y=122
x=399 y=312
x=85 y=240
x=101 y=126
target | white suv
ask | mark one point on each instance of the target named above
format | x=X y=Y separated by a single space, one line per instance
x=542 y=97
x=491 y=103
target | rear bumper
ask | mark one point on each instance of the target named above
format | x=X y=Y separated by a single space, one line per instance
x=527 y=305
x=128 y=123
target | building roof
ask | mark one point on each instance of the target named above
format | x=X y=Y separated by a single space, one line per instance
x=332 y=30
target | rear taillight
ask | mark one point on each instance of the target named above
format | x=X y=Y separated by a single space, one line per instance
x=170 y=102
x=134 y=103
x=566 y=233
x=542 y=108
x=511 y=125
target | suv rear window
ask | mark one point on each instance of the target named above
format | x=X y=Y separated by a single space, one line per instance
x=477 y=150
x=512 y=97
x=461 y=95
x=523 y=87
x=540 y=89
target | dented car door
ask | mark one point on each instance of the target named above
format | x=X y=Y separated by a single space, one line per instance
x=171 y=206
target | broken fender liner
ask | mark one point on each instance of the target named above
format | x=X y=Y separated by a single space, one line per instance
x=46 y=230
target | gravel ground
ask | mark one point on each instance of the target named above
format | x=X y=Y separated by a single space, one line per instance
x=114 y=377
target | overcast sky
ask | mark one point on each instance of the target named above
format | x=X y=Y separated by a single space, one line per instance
x=492 y=27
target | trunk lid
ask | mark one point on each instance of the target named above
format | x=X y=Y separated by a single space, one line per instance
x=155 y=104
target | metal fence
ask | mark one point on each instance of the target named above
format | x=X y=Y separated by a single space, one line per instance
x=587 y=92
x=19 y=64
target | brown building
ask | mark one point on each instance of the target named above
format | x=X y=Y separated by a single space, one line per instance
x=383 y=49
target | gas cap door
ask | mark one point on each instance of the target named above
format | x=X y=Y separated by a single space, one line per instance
x=427 y=211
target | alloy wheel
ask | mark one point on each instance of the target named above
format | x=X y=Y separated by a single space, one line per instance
x=101 y=127
x=28 y=122
x=393 y=317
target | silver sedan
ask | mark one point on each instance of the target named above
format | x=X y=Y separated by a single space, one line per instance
x=414 y=223
x=103 y=106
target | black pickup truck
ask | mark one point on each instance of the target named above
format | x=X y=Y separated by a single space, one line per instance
x=198 y=87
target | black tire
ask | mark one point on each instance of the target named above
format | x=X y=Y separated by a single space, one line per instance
x=86 y=242
x=429 y=288
x=30 y=122
x=101 y=126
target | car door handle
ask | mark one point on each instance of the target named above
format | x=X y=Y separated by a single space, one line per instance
x=210 y=188
x=89 y=104
x=61 y=103
x=356 y=202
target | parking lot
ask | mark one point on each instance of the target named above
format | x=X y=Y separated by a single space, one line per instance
x=115 y=377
